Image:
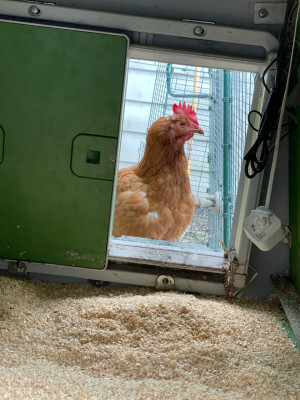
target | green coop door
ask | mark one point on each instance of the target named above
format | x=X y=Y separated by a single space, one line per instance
x=60 y=103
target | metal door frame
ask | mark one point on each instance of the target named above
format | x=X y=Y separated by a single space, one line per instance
x=120 y=270
x=142 y=29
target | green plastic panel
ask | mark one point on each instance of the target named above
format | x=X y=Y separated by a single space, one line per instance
x=61 y=93
x=294 y=206
x=1 y=144
x=93 y=156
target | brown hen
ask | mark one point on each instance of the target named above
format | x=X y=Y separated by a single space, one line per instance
x=154 y=198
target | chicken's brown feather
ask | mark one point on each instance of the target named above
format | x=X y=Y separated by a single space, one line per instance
x=154 y=197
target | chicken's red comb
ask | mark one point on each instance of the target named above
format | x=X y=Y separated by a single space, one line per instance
x=186 y=110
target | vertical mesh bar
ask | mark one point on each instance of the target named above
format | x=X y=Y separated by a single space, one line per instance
x=160 y=97
x=242 y=87
x=215 y=221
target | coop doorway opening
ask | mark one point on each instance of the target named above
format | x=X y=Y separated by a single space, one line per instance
x=222 y=100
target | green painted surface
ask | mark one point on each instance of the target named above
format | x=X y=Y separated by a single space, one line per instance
x=91 y=156
x=1 y=144
x=226 y=157
x=57 y=84
x=294 y=206
x=290 y=333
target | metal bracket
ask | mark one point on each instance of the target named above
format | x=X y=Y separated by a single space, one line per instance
x=226 y=146
x=210 y=202
x=226 y=215
x=207 y=280
x=269 y=13
x=227 y=99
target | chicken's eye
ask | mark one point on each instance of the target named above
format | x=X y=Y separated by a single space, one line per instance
x=182 y=124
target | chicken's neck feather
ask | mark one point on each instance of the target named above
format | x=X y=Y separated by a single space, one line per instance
x=162 y=158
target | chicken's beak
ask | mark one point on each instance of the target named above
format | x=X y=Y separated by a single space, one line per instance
x=197 y=130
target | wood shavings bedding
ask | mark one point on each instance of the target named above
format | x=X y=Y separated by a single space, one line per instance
x=81 y=342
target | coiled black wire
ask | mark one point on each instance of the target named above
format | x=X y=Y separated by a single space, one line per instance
x=256 y=158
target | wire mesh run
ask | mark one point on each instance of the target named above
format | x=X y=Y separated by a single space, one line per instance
x=242 y=88
x=216 y=119
x=204 y=89
x=222 y=101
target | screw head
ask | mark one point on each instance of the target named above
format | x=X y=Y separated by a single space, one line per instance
x=34 y=10
x=199 y=31
x=263 y=13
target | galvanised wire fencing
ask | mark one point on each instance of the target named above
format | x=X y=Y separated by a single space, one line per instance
x=222 y=101
x=242 y=87
x=215 y=155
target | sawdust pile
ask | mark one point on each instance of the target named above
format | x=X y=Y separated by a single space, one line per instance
x=81 y=342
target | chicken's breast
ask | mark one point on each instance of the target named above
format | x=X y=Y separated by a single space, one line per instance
x=157 y=207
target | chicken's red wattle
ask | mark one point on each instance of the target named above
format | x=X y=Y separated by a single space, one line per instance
x=187 y=137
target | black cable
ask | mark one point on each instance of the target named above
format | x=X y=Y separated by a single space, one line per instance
x=249 y=121
x=257 y=156
x=264 y=74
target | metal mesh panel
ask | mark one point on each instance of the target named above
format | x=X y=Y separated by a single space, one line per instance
x=215 y=221
x=242 y=87
x=176 y=83
x=192 y=85
x=160 y=97
x=204 y=89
